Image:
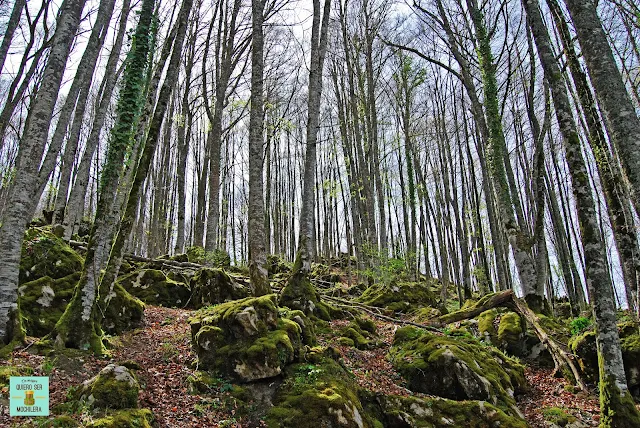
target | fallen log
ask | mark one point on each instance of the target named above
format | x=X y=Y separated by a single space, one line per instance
x=82 y=246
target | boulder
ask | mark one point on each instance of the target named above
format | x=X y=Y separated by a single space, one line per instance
x=45 y=254
x=401 y=412
x=153 y=287
x=246 y=339
x=115 y=387
x=458 y=369
x=139 y=418
x=584 y=346
x=399 y=296
x=318 y=393
x=213 y=286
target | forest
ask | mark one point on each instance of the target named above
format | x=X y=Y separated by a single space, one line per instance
x=320 y=213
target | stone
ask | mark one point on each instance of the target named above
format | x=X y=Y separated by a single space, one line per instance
x=115 y=387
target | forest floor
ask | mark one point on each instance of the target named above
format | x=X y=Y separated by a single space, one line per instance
x=162 y=349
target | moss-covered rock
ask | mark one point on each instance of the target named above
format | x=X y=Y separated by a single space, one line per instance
x=213 y=286
x=486 y=326
x=399 y=296
x=440 y=412
x=138 y=418
x=44 y=300
x=511 y=333
x=584 y=346
x=46 y=255
x=558 y=416
x=459 y=369
x=124 y=312
x=361 y=332
x=246 y=339
x=115 y=387
x=319 y=393
x=277 y=265
x=154 y=288
x=324 y=273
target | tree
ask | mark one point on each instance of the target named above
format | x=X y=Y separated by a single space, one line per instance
x=616 y=404
x=256 y=236
x=34 y=139
x=299 y=292
x=77 y=327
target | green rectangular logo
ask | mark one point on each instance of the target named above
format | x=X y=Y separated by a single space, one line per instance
x=29 y=396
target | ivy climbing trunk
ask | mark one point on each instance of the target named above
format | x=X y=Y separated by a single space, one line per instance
x=77 y=327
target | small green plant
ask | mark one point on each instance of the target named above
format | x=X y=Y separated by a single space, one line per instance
x=48 y=365
x=168 y=351
x=578 y=325
x=558 y=416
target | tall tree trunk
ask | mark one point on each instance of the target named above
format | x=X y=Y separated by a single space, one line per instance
x=299 y=292
x=256 y=238
x=12 y=25
x=77 y=328
x=32 y=145
x=616 y=404
x=610 y=89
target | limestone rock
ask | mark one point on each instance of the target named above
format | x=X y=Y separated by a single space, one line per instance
x=399 y=296
x=115 y=387
x=246 y=339
x=212 y=286
x=154 y=288
x=459 y=369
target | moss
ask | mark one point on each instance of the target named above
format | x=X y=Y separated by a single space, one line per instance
x=154 y=288
x=399 y=296
x=457 y=368
x=558 y=416
x=131 y=418
x=44 y=254
x=510 y=328
x=115 y=387
x=212 y=286
x=246 y=339
x=124 y=312
x=7 y=371
x=300 y=294
x=346 y=341
x=201 y=382
x=486 y=327
x=424 y=315
x=436 y=412
x=278 y=265
x=616 y=410
x=62 y=421
x=320 y=394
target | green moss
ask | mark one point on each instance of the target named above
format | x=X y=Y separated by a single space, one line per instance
x=124 y=312
x=246 y=339
x=558 y=416
x=510 y=328
x=485 y=325
x=436 y=412
x=213 y=286
x=346 y=341
x=7 y=371
x=44 y=254
x=616 y=410
x=320 y=394
x=113 y=388
x=458 y=368
x=399 y=296
x=153 y=287
x=131 y=418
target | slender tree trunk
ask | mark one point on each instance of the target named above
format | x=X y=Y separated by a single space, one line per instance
x=12 y=25
x=33 y=142
x=616 y=404
x=609 y=86
x=256 y=238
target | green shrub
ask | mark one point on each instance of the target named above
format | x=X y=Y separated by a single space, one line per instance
x=578 y=325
